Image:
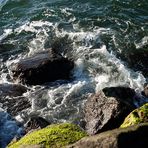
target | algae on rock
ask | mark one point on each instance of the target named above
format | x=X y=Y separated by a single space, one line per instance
x=139 y=115
x=56 y=135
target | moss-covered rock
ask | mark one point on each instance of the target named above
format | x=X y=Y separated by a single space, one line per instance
x=137 y=116
x=56 y=135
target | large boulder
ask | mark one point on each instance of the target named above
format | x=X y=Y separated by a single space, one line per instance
x=42 y=67
x=139 y=115
x=11 y=98
x=56 y=135
x=108 y=108
x=134 y=136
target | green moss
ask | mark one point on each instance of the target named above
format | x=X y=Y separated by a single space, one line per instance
x=137 y=116
x=56 y=135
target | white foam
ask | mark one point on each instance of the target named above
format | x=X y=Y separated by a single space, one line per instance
x=66 y=11
x=40 y=28
x=5 y=34
x=95 y=68
x=142 y=43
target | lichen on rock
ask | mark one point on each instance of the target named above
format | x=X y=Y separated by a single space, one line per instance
x=56 y=135
x=139 y=115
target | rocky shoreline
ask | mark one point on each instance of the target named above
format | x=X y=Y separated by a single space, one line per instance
x=113 y=117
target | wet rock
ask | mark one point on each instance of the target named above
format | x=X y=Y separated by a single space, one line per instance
x=139 y=115
x=14 y=105
x=108 y=108
x=124 y=94
x=134 y=136
x=137 y=60
x=11 y=99
x=35 y=123
x=12 y=90
x=46 y=66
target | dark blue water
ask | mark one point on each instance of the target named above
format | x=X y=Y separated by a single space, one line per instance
x=127 y=20
x=97 y=34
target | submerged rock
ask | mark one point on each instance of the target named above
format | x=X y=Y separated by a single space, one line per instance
x=12 y=90
x=45 y=66
x=131 y=137
x=11 y=98
x=56 y=135
x=15 y=105
x=108 y=108
x=139 y=115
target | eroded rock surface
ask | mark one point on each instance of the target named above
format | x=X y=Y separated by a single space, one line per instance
x=107 y=109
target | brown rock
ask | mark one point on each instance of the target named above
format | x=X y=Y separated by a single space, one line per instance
x=107 y=109
x=134 y=136
x=45 y=66
x=146 y=90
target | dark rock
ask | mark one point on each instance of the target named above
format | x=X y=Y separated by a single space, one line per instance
x=46 y=66
x=35 y=123
x=138 y=60
x=12 y=90
x=11 y=99
x=134 y=136
x=124 y=94
x=15 y=105
x=107 y=109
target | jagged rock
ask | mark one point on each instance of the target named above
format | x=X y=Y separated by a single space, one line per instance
x=35 y=123
x=139 y=115
x=42 y=67
x=134 y=136
x=108 y=108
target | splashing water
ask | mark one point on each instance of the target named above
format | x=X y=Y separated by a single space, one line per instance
x=92 y=33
